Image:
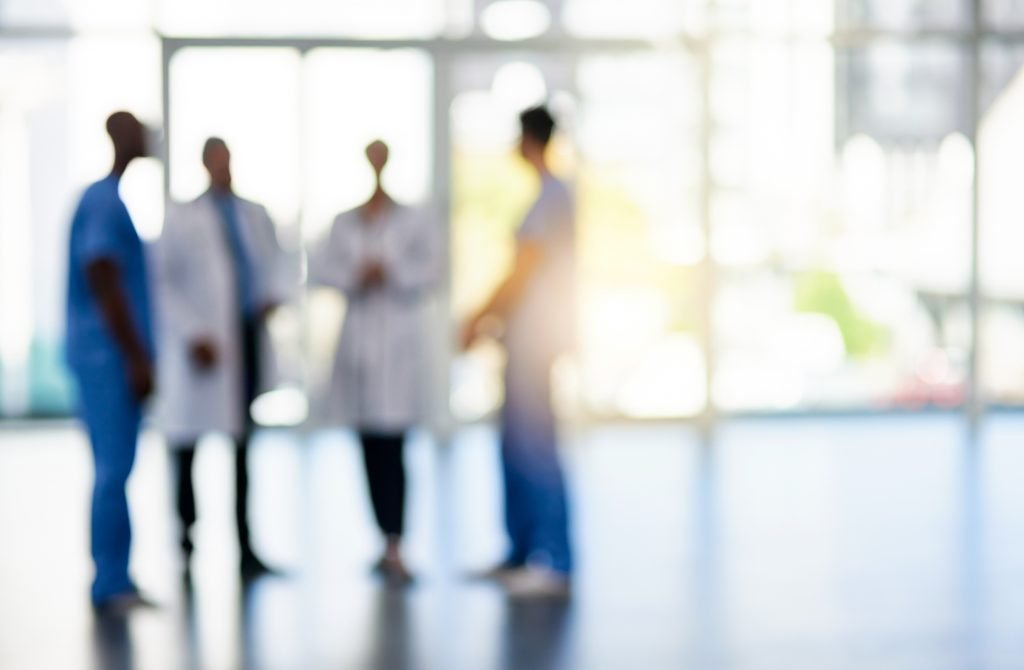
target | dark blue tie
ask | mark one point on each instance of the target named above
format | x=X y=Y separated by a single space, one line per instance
x=228 y=206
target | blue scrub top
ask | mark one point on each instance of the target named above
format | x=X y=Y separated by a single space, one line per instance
x=103 y=229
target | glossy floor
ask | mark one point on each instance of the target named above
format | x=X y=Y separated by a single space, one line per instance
x=825 y=543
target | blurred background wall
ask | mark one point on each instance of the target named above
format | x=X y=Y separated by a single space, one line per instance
x=785 y=205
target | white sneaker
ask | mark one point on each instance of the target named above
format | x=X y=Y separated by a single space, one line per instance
x=499 y=573
x=123 y=604
x=537 y=583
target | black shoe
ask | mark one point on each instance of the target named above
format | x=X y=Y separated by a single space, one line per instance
x=187 y=583
x=252 y=567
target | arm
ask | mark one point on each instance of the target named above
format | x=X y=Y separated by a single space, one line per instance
x=332 y=262
x=529 y=255
x=275 y=284
x=178 y=311
x=105 y=282
x=417 y=265
x=170 y=270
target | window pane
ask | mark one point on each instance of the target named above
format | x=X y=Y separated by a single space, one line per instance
x=490 y=192
x=1003 y=14
x=904 y=14
x=346 y=109
x=352 y=18
x=841 y=223
x=634 y=159
x=643 y=18
x=78 y=15
x=775 y=17
x=250 y=98
x=57 y=95
x=1002 y=237
x=641 y=236
x=33 y=13
x=899 y=93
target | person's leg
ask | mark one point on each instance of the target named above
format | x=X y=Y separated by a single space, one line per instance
x=386 y=480
x=385 y=477
x=112 y=417
x=184 y=456
x=516 y=495
x=242 y=498
x=550 y=530
x=534 y=458
x=251 y=564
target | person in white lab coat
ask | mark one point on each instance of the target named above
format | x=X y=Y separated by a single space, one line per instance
x=220 y=276
x=384 y=257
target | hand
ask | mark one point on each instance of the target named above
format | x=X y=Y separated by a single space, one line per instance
x=373 y=274
x=204 y=354
x=140 y=376
x=470 y=333
x=267 y=310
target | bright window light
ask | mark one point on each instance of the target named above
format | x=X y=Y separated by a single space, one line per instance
x=519 y=85
x=281 y=407
x=511 y=20
x=15 y=263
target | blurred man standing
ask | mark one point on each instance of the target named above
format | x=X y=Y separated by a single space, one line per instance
x=536 y=306
x=220 y=269
x=110 y=352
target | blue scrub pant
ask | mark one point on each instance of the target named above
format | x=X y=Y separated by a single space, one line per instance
x=536 y=506
x=112 y=416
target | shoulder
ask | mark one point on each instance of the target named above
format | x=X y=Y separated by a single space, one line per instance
x=346 y=219
x=93 y=191
x=556 y=191
x=421 y=217
x=409 y=215
x=100 y=193
x=176 y=211
x=251 y=205
x=187 y=210
x=198 y=203
x=341 y=228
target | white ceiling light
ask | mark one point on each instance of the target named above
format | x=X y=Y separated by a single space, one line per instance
x=511 y=20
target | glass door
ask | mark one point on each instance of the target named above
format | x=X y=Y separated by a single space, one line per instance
x=297 y=118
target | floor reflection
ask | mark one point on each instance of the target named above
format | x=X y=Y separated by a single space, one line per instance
x=391 y=635
x=819 y=544
x=112 y=643
x=536 y=636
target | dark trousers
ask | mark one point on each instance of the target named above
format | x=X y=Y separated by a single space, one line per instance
x=185 y=454
x=187 y=501
x=385 y=474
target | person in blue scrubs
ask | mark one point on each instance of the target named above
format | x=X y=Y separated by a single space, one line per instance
x=536 y=306
x=110 y=351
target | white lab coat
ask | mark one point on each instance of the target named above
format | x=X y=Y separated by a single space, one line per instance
x=196 y=298
x=377 y=382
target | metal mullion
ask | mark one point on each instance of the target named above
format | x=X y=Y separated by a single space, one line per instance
x=441 y=196
x=975 y=405
x=434 y=46
x=708 y=269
